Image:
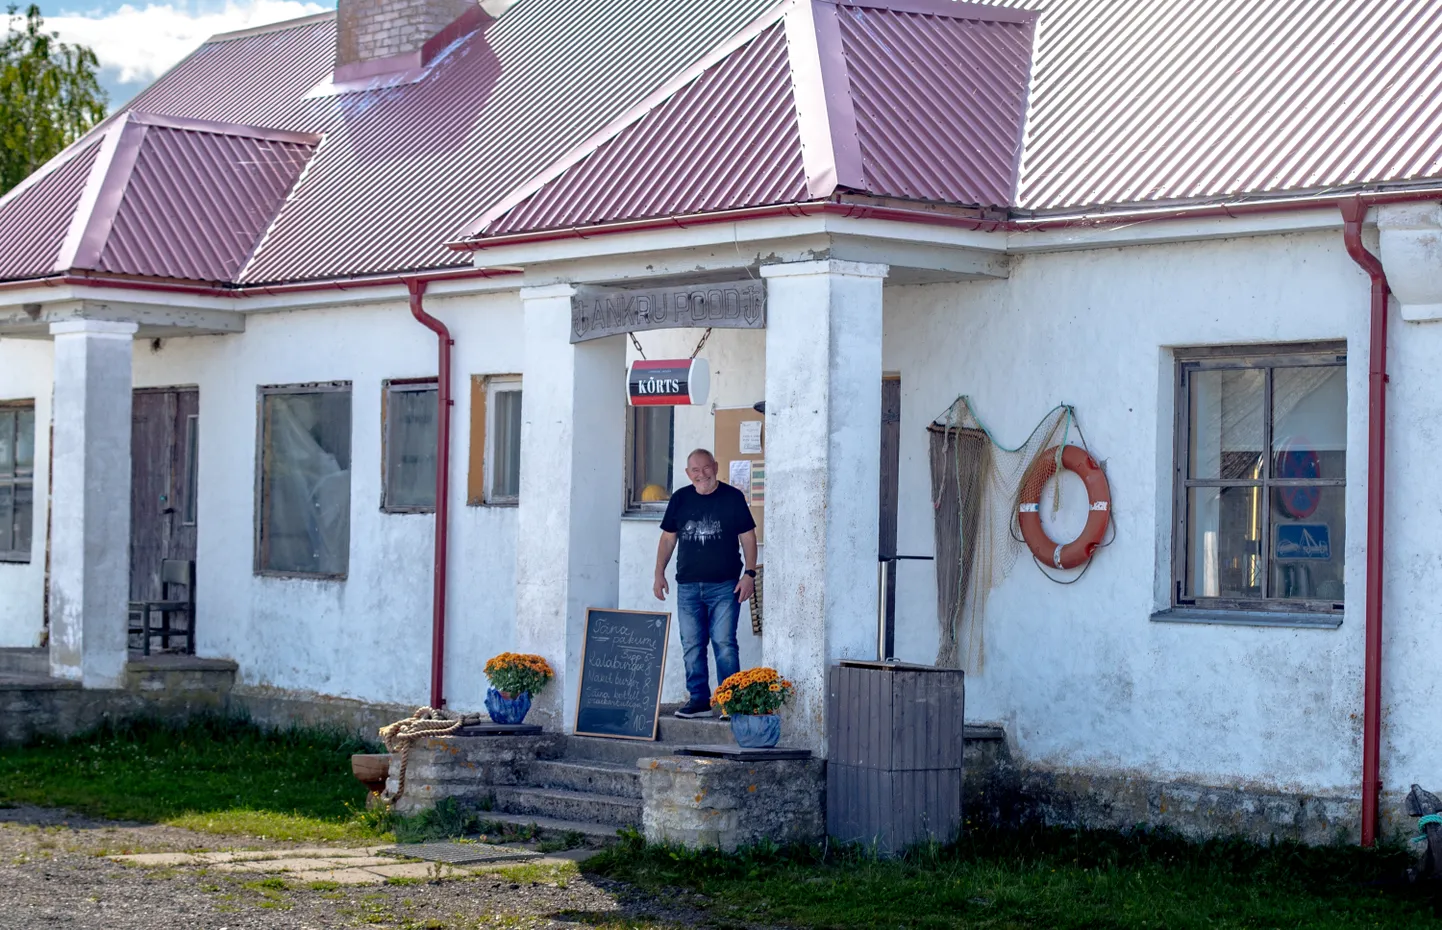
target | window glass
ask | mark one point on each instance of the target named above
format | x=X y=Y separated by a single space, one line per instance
x=1263 y=528
x=411 y=447
x=652 y=441
x=305 y=482
x=17 y=476
x=192 y=467
x=505 y=449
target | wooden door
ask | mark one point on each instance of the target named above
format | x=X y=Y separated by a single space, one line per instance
x=164 y=440
x=890 y=463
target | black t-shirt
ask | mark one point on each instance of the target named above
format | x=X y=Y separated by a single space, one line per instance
x=706 y=527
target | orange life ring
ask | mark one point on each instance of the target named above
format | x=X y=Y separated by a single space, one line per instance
x=1046 y=550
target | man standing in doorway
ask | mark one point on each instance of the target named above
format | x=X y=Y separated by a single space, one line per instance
x=706 y=521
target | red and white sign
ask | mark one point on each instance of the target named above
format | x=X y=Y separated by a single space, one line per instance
x=668 y=382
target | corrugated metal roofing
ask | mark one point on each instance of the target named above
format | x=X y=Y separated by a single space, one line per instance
x=939 y=103
x=729 y=139
x=1178 y=100
x=36 y=218
x=196 y=203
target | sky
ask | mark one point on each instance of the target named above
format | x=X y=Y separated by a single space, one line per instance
x=137 y=42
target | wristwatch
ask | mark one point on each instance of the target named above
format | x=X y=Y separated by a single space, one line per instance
x=750 y=573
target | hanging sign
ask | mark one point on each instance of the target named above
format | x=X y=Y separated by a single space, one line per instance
x=609 y=311
x=668 y=382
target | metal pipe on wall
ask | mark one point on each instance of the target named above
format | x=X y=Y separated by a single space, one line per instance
x=1353 y=213
x=417 y=289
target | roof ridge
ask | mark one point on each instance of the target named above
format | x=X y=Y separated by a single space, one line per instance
x=271 y=27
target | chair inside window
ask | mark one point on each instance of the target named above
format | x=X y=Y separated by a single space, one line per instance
x=175 y=611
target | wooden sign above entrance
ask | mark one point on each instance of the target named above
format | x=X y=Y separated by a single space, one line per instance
x=608 y=311
x=623 y=658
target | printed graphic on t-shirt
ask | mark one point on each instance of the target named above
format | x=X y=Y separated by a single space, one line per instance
x=701 y=532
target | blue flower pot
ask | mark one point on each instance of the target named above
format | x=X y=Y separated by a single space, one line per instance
x=756 y=731
x=507 y=710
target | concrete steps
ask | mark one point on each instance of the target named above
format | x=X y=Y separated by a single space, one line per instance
x=562 y=804
x=27 y=663
x=608 y=778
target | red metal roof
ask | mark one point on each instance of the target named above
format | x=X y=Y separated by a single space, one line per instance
x=37 y=215
x=187 y=199
x=728 y=139
x=1183 y=101
x=915 y=99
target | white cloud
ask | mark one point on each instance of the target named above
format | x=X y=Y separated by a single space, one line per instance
x=140 y=44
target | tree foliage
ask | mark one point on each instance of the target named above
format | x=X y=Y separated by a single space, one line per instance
x=49 y=95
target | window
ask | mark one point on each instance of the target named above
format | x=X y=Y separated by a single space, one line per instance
x=17 y=480
x=495 y=476
x=409 y=424
x=303 y=525
x=652 y=436
x=192 y=468
x=1261 y=479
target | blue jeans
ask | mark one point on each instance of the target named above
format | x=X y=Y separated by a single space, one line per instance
x=708 y=612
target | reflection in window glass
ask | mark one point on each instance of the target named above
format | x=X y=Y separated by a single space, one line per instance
x=305 y=482
x=652 y=440
x=1226 y=409
x=411 y=446
x=506 y=444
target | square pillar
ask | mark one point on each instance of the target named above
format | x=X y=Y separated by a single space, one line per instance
x=823 y=475
x=568 y=542
x=90 y=502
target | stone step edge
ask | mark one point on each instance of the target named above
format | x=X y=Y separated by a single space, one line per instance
x=600 y=765
x=592 y=831
x=566 y=794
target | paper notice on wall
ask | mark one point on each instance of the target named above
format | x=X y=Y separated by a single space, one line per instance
x=750 y=437
x=758 y=484
x=741 y=476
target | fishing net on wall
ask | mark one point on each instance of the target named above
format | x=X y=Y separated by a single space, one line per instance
x=976 y=483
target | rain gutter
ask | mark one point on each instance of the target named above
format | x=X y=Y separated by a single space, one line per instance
x=1353 y=213
x=417 y=289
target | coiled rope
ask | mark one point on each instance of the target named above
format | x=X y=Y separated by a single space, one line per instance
x=426 y=721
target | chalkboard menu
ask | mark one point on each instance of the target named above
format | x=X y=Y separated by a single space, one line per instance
x=622 y=661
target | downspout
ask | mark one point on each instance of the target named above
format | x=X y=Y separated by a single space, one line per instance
x=1353 y=213
x=417 y=288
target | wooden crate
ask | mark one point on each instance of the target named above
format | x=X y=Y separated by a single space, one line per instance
x=895 y=734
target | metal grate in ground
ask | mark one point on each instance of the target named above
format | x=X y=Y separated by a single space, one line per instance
x=458 y=853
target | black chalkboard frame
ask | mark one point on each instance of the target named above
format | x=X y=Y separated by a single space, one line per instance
x=660 y=682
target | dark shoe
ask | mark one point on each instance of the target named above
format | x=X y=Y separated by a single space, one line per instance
x=694 y=709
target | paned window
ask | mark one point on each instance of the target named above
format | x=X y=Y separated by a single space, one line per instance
x=303 y=524
x=495 y=470
x=410 y=422
x=17 y=481
x=1261 y=479
x=652 y=436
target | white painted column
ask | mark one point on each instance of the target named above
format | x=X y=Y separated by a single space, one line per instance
x=568 y=541
x=90 y=502
x=823 y=476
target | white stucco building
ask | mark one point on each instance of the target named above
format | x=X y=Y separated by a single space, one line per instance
x=208 y=353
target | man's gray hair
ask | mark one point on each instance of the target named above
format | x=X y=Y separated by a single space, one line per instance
x=696 y=452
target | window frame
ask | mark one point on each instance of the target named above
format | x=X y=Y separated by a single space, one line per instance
x=261 y=392
x=190 y=509
x=1267 y=358
x=399 y=385
x=13 y=480
x=498 y=384
x=634 y=506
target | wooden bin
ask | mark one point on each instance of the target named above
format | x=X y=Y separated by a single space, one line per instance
x=894 y=736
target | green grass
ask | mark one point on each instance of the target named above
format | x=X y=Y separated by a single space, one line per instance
x=1043 y=879
x=218 y=775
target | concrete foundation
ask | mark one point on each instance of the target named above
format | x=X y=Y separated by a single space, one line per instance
x=702 y=802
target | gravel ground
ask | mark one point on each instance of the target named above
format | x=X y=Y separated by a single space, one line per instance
x=52 y=874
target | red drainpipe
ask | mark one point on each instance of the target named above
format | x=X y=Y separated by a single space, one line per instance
x=1353 y=213
x=417 y=288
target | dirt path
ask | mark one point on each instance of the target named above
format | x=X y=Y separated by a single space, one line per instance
x=54 y=873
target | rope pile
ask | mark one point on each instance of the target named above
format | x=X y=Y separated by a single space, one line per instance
x=426 y=721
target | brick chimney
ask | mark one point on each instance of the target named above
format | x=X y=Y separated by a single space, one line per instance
x=384 y=36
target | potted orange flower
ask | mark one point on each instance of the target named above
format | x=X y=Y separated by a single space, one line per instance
x=752 y=697
x=514 y=677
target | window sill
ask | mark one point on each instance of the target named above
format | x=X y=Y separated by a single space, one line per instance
x=1298 y=620
x=297 y=576
x=644 y=516
x=14 y=558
